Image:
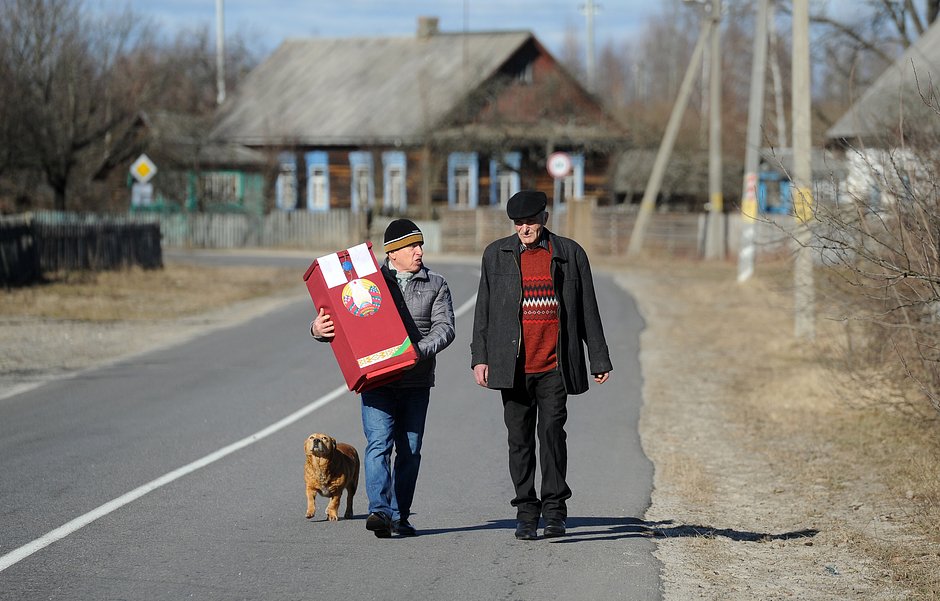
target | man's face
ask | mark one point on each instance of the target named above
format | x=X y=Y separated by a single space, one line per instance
x=407 y=258
x=530 y=228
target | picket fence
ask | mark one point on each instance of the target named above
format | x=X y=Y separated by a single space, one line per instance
x=604 y=231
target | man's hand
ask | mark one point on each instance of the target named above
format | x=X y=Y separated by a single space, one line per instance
x=481 y=373
x=601 y=377
x=322 y=326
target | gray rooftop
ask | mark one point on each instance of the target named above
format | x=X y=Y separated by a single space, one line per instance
x=895 y=98
x=356 y=90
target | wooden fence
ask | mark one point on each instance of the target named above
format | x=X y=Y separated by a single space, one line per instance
x=280 y=229
x=97 y=246
x=35 y=244
x=19 y=257
x=610 y=230
x=113 y=241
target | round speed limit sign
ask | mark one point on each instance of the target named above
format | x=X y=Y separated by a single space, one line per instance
x=559 y=165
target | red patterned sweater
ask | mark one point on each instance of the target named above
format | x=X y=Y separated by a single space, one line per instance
x=539 y=311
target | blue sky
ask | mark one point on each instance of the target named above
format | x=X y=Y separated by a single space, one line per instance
x=269 y=23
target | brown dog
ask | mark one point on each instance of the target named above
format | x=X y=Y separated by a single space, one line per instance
x=331 y=468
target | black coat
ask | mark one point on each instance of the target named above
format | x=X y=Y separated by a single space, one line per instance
x=497 y=323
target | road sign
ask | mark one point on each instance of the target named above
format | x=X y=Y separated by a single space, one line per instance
x=141 y=195
x=559 y=165
x=143 y=169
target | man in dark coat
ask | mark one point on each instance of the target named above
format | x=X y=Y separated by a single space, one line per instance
x=535 y=313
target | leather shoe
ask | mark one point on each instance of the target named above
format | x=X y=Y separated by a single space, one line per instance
x=554 y=527
x=379 y=524
x=403 y=528
x=527 y=530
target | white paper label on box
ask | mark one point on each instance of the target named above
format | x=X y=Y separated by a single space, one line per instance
x=331 y=270
x=362 y=260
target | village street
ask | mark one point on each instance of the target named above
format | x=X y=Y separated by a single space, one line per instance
x=179 y=473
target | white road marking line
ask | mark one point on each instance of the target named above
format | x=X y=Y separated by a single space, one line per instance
x=81 y=521
x=466 y=306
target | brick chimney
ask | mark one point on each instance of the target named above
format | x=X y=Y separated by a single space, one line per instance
x=427 y=27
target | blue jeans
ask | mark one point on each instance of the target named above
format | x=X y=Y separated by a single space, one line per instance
x=393 y=418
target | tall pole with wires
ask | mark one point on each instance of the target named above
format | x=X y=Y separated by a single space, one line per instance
x=666 y=144
x=715 y=236
x=590 y=9
x=805 y=297
x=220 y=51
x=755 y=117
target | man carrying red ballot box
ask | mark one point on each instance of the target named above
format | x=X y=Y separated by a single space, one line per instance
x=393 y=414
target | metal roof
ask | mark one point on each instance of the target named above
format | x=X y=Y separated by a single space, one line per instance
x=895 y=99
x=357 y=90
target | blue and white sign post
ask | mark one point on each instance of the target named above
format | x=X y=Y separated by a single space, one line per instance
x=559 y=167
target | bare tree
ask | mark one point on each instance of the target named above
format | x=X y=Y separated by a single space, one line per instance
x=64 y=88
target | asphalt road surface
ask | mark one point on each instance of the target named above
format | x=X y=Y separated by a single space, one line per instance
x=179 y=474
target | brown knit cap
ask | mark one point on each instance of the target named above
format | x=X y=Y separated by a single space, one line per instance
x=401 y=233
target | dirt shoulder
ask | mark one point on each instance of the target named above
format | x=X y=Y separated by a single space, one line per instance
x=769 y=484
x=76 y=323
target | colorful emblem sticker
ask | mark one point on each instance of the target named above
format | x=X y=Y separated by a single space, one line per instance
x=362 y=297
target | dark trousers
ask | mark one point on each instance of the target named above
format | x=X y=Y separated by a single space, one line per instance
x=537 y=405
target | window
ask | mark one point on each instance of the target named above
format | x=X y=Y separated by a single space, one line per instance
x=220 y=187
x=504 y=178
x=317 y=186
x=462 y=180
x=394 y=176
x=363 y=194
x=286 y=185
x=318 y=181
x=395 y=193
x=524 y=75
x=462 y=183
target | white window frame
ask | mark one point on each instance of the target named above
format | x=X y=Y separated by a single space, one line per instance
x=395 y=181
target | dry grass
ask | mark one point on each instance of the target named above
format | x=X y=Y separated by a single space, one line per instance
x=179 y=289
x=785 y=444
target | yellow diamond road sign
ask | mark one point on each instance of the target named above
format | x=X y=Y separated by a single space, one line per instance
x=143 y=169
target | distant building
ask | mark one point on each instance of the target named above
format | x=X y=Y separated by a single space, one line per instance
x=407 y=125
x=193 y=172
x=884 y=134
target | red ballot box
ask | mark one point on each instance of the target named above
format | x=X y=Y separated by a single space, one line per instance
x=371 y=344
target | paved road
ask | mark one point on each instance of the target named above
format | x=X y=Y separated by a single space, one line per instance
x=190 y=479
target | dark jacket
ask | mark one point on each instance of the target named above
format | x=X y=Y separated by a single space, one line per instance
x=427 y=310
x=497 y=323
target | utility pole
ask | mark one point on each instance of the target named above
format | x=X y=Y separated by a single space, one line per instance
x=777 y=79
x=220 y=51
x=715 y=236
x=755 y=117
x=665 y=146
x=802 y=194
x=590 y=9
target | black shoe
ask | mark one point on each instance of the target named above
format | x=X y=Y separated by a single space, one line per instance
x=554 y=527
x=379 y=524
x=403 y=528
x=527 y=529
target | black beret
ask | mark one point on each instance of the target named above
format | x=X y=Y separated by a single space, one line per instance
x=401 y=233
x=526 y=203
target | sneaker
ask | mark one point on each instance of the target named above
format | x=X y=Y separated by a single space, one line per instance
x=403 y=528
x=379 y=524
